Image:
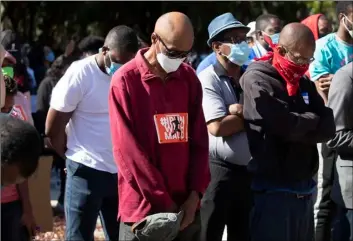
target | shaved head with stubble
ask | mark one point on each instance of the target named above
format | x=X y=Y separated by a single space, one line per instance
x=298 y=39
x=175 y=30
x=173 y=37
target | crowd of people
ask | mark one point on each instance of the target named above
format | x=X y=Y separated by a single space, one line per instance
x=255 y=137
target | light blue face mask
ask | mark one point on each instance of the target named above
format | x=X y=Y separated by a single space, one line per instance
x=50 y=57
x=274 y=38
x=239 y=53
x=113 y=66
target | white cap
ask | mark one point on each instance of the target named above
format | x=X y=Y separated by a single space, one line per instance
x=251 y=25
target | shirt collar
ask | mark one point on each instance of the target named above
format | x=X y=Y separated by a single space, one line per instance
x=219 y=70
x=145 y=68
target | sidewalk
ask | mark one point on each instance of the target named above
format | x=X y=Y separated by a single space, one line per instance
x=59 y=226
x=59 y=221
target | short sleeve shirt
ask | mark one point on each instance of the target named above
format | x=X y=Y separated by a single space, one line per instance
x=330 y=55
x=218 y=95
x=84 y=91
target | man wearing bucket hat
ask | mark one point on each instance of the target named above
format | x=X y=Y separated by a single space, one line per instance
x=266 y=29
x=227 y=200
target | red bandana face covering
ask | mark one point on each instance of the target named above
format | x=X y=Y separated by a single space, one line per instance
x=289 y=71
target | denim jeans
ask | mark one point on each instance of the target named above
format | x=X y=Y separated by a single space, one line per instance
x=90 y=193
x=281 y=216
x=343 y=225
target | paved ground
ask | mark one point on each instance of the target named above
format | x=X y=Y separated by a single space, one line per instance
x=59 y=221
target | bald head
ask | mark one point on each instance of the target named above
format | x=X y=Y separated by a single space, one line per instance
x=175 y=30
x=296 y=35
x=297 y=41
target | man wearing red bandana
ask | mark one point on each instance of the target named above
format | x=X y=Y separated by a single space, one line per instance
x=284 y=119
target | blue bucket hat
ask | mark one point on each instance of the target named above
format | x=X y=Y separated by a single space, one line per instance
x=221 y=23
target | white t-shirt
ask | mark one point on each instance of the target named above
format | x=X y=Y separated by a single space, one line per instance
x=84 y=89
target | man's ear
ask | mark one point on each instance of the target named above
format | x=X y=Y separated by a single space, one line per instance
x=104 y=50
x=216 y=47
x=282 y=51
x=340 y=16
x=259 y=35
x=154 y=38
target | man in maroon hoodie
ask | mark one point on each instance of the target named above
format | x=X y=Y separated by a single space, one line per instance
x=159 y=134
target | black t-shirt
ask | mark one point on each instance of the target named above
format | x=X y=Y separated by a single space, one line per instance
x=43 y=101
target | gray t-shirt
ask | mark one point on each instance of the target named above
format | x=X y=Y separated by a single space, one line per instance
x=340 y=100
x=218 y=95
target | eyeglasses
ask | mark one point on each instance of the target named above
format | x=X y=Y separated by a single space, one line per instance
x=234 y=40
x=299 y=59
x=174 y=54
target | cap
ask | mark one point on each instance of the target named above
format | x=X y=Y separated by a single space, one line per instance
x=158 y=227
x=221 y=23
x=251 y=25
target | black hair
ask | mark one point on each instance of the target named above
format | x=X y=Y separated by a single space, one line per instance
x=91 y=44
x=22 y=77
x=59 y=65
x=11 y=86
x=263 y=20
x=20 y=144
x=323 y=17
x=344 y=7
x=123 y=39
x=12 y=43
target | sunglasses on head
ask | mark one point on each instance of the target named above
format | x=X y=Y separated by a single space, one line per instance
x=175 y=54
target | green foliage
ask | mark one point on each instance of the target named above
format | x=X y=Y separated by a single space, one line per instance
x=57 y=22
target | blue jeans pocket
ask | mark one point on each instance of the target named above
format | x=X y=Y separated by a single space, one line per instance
x=72 y=167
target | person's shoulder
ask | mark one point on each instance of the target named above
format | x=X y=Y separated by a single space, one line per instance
x=187 y=70
x=208 y=75
x=128 y=71
x=326 y=42
x=257 y=68
x=209 y=70
x=82 y=63
x=209 y=59
x=347 y=69
x=344 y=73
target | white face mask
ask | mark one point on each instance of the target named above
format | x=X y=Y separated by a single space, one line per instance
x=169 y=65
x=344 y=23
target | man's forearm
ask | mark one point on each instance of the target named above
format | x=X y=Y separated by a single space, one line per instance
x=24 y=194
x=58 y=143
x=229 y=125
